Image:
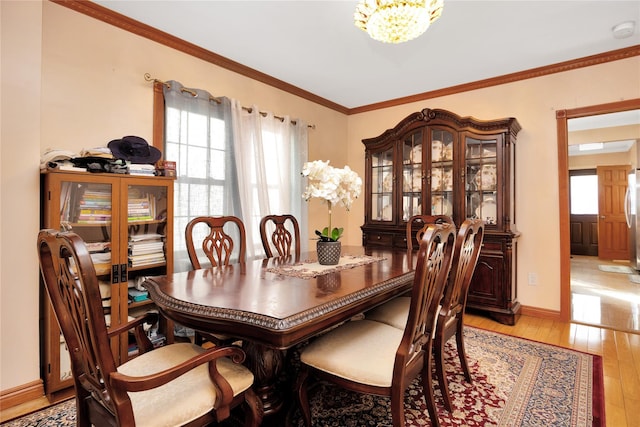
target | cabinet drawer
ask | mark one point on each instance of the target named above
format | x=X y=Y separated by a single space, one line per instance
x=379 y=239
x=491 y=246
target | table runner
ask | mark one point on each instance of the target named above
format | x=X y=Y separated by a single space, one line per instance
x=311 y=269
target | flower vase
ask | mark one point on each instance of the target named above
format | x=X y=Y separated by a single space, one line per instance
x=328 y=252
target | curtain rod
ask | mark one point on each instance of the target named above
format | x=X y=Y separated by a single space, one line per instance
x=148 y=78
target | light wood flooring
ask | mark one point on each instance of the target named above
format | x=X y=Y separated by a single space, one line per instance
x=603 y=298
x=620 y=352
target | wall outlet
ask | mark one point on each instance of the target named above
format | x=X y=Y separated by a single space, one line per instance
x=533 y=279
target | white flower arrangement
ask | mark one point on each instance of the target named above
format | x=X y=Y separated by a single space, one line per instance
x=335 y=186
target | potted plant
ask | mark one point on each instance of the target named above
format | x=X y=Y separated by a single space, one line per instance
x=336 y=187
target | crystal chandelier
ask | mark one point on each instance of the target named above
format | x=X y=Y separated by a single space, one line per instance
x=396 y=21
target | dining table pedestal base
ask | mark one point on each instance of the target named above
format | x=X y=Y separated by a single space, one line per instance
x=267 y=364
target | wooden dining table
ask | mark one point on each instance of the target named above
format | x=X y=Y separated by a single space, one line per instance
x=274 y=304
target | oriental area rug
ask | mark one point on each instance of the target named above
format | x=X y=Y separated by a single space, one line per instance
x=516 y=382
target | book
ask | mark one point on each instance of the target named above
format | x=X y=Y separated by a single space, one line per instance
x=136 y=296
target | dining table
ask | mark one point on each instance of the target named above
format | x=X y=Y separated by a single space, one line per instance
x=274 y=304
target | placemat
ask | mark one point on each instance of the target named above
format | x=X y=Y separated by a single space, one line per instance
x=311 y=269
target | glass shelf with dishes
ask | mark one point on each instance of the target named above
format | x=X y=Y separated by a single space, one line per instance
x=481 y=185
x=412 y=175
x=382 y=186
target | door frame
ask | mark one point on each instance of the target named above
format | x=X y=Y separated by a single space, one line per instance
x=563 y=185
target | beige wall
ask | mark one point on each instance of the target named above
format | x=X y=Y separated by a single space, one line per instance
x=74 y=82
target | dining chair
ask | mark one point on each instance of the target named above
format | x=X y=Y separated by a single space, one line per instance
x=172 y=385
x=450 y=319
x=371 y=357
x=214 y=241
x=220 y=249
x=395 y=311
x=417 y=225
x=276 y=233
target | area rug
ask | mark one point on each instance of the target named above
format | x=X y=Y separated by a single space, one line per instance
x=616 y=269
x=516 y=382
x=635 y=278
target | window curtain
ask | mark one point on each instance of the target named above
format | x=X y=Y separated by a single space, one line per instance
x=211 y=139
x=270 y=152
x=199 y=138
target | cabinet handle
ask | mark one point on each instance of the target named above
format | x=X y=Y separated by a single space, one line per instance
x=123 y=273
x=115 y=274
x=378 y=237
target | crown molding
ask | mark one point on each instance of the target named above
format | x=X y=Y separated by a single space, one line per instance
x=113 y=18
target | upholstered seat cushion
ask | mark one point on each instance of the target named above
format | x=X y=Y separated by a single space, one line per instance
x=363 y=351
x=393 y=313
x=185 y=398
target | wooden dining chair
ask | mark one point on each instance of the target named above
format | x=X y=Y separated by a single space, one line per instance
x=395 y=312
x=276 y=233
x=220 y=249
x=172 y=385
x=417 y=225
x=450 y=319
x=215 y=242
x=371 y=357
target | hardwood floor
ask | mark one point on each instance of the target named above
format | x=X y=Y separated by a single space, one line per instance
x=620 y=352
x=602 y=298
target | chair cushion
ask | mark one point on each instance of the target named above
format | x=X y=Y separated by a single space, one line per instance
x=185 y=398
x=363 y=351
x=393 y=313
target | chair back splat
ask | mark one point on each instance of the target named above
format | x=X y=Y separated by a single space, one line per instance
x=275 y=232
x=372 y=357
x=172 y=385
x=220 y=248
x=450 y=319
x=217 y=244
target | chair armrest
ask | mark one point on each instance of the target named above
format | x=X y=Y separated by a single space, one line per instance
x=137 y=324
x=125 y=383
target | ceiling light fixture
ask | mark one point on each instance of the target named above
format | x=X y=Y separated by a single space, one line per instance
x=396 y=21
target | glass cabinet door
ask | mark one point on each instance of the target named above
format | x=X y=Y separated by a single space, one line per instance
x=86 y=208
x=382 y=180
x=147 y=251
x=441 y=178
x=482 y=178
x=412 y=175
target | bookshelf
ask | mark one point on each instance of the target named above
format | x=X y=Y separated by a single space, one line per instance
x=126 y=222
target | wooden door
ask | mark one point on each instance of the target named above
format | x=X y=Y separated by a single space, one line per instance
x=613 y=233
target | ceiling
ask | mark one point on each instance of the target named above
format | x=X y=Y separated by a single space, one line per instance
x=314 y=45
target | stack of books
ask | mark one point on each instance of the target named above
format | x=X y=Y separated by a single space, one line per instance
x=136 y=296
x=100 y=253
x=141 y=208
x=94 y=206
x=146 y=249
x=142 y=170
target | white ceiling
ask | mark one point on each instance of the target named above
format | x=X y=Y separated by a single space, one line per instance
x=315 y=46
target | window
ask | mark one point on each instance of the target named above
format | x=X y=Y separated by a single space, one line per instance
x=231 y=161
x=584 y=194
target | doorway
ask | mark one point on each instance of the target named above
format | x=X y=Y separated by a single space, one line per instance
x=588 y=267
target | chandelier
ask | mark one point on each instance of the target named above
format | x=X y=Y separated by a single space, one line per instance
x=396 y=21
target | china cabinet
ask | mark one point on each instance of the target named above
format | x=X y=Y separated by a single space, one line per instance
x=435 y=162
x=126 y=222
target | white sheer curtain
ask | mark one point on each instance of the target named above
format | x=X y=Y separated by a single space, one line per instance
x=270 y=152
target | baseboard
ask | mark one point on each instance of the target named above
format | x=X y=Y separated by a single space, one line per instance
x=542 y=313
x=21 y=394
